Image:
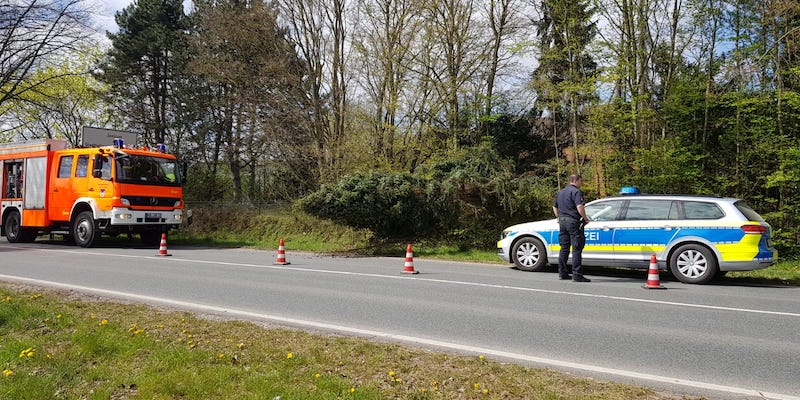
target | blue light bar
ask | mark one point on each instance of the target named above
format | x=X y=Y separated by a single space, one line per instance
x=626 y=190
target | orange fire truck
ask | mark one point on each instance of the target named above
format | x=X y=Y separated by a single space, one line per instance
x=82 y=193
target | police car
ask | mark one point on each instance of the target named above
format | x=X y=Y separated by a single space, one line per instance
x=695 y=237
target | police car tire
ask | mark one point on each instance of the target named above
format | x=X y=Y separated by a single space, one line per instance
x=703 y=272
x=84 y=229
x=530 y=247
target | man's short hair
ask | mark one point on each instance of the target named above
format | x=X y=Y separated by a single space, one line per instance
x=574 y=178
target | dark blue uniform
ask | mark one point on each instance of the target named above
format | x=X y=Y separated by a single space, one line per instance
x=571 y=230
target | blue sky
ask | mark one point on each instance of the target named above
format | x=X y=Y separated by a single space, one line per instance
x=104 y=10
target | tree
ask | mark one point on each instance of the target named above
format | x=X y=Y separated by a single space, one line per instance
x=384 y=41
x=66 y=99
x=144 y=64
x=251 y=73
x=565 y=77
x=318 y=32
x=34 y=35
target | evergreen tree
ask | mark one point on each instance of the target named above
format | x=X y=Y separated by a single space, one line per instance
x=565 y=78
x=143 y=66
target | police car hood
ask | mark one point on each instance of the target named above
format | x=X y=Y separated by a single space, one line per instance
x=548 y=224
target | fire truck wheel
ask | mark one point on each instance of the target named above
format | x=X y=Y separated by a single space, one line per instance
x=15 y=233
x=84 y=229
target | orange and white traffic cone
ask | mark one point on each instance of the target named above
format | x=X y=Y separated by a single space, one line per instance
x=281 y=258
x=162 y=247
x=653 y=280
x=409 y=267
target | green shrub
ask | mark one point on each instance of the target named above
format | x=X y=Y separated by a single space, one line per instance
x=393 y=205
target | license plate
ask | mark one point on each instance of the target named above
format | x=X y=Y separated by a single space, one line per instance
x=152 y=216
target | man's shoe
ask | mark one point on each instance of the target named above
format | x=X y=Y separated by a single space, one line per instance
x=581 y=279
x=565 y=277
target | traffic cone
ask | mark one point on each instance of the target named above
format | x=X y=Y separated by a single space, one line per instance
x=409 y=267
x=653 y=280
x=281 y=258
x=162 y=248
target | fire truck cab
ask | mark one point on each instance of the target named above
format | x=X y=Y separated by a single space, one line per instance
x=83 y=193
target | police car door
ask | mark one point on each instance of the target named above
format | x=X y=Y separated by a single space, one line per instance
x=647 y=226
x=604 y=215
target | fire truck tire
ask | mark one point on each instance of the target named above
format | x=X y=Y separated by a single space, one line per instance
x=15 y=233
x=84 y=229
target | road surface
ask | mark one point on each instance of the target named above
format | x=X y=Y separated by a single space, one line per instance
x=722 y=341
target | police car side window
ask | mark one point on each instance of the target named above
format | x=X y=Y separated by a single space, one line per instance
x=701 y=210
x=603 y=211
x=640 y=210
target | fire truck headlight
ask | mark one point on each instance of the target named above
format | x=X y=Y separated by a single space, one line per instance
x=124 y=216
x=176 y=217
x=125 y=202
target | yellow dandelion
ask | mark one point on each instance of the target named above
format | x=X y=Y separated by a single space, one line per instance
x=481 y=357
x=398 y=380
x=424 y=390
x=138 y=331
x=317 y=376
x=290 y=356
x=8 y=372
x=352 y=390
x=240 y=346
x=391 y=374
x=221 y=355
x=58 y=316
x=8 y=298
x=183 y=331
x=104 y=322
x=192 y=345
x=35 y=296
x=27 y=353
x=485 y=391
x=476 y=386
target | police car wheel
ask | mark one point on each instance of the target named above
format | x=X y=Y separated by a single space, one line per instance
x=693 y=263
x=529 y=254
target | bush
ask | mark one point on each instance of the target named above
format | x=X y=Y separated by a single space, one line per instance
x=392 y=205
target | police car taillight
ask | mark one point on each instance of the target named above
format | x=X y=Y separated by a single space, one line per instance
x=754 y=228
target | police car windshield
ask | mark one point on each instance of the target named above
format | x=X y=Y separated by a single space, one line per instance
x=147 y=170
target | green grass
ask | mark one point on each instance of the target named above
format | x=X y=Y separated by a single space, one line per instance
x=53 y=346
x=302 y=232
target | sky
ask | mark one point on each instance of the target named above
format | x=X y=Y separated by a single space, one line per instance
x=104 y=10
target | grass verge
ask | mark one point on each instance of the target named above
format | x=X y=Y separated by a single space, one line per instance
x=264 y=227
x=54 y=346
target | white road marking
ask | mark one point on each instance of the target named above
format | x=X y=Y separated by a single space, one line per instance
x=408 y=339
x=444 y=281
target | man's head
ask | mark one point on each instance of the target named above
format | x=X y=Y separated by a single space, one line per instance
x=575 y=180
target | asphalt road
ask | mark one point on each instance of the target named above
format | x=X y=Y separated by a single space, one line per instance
x=723 y=341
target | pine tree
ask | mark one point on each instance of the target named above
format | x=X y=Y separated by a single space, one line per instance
x=148 y=55
x=565 y=78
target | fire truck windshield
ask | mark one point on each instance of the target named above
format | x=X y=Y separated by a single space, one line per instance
x=147 y=170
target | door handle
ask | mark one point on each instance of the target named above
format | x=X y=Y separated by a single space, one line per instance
x=55 y=190
x=91 y=189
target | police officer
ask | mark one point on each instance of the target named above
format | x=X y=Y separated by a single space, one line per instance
x=569 y=209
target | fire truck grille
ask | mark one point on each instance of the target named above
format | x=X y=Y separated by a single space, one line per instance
x=146 y=201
